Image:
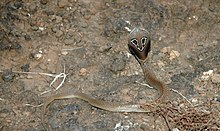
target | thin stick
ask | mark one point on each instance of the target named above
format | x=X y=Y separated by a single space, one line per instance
x=64 y=75
x=167 y=122
x=73 y=48
x=182 y=96
x=45 y=92
x=56 y=76
x=34 y=105
x=35 y=73
x=144 y=84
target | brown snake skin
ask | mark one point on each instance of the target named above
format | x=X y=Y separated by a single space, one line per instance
x=139 y=45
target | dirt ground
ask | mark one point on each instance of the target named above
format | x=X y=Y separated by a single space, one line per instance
x=88 y=39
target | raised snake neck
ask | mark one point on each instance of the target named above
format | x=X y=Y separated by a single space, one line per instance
x=139 y=46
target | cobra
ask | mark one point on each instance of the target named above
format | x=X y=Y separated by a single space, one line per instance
x=139 y=45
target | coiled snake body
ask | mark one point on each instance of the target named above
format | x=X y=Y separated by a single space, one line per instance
x=139 y=45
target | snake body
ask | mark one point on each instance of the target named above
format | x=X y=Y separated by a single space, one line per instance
x=139 y=45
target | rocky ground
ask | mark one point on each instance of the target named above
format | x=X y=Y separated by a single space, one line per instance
x=88 y=39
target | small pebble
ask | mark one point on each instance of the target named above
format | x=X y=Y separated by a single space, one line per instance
x=38 y=56
x=126 y=98
x=217 y=99
x=82 y=72
x=182 y=105
x=160 y=64
x=105 y=48
x=41 y=28
x=34 y=28
x=206 y=75
x=118 y=64
x=25 y=67
x=63 y=3
x=64 y=52
x=174 y=54
x=165 y=49
x=43 y=2
x=125 y=91
x=27 y=37
x=58 y=19
x=8 y=75
x=215 y=78
x=30 y=77
x=69 y=41
x=194 y=100
x=209 y=73
x=175 y=129
x=59 y=33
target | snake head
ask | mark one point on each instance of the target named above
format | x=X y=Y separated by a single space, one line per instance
x=139 y=44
